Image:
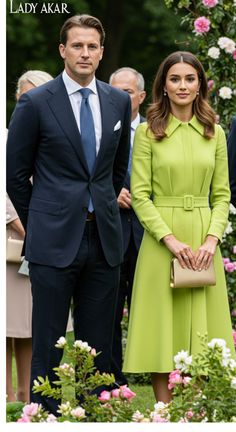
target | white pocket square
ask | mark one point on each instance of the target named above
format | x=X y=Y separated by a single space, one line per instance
x=117 y=126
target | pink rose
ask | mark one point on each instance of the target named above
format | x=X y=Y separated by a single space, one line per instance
x=104 y=396
x=126 y=393
x=115 y=393
x=174 y=378
x=157 y=418
x=189 y=414
x=234 y=57
x=210 y=3
x=202 y=25
x=31 y=409
x=234 y=248
x=210 y=84
x=229 y=267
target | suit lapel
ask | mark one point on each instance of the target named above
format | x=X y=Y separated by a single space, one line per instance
x=61 y=107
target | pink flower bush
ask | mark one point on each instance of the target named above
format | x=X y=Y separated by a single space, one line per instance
x=234 y=337
x=174 y=378
x=202 y=25
x=210 y=3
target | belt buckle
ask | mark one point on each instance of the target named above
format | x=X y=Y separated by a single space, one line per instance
x=188 y=202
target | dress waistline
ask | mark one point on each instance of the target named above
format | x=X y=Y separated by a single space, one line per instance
x=187 y=202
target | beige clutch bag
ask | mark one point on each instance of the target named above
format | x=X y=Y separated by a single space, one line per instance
x=14 y=249
x=188 y=278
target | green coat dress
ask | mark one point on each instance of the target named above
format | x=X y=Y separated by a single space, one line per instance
x=163 y=320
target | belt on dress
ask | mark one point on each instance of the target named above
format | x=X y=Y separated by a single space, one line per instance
x=187 y=202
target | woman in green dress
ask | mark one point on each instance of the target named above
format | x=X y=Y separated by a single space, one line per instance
x=180 y=193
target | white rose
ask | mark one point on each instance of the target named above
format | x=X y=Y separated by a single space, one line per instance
x=61 y=342
x=214 y=52
x=78 y=412
x=217 y=342
x=227 y=44
x=225 y=92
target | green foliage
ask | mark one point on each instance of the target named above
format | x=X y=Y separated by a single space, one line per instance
x=210 y=396
x=220 y=70
x=13 y=411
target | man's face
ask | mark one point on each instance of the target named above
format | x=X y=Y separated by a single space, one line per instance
x=127 y=81
x=82 y=53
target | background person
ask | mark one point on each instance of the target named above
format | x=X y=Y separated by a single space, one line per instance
x=18 y=288
x=180 y=158
x=76 y=146
x=131 y=81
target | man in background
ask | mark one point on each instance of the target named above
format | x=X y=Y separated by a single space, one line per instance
x=132 y=82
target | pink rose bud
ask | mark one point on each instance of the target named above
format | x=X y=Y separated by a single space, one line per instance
x=126 y=393
x=226 y=260
x=234 y=57
x=189 y=414
x=104 y=396
x=93 y=352
x=115 y=393
x=210 y=84
x=229 y=267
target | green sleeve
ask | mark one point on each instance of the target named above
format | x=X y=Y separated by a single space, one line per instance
x=220 y=191
x=141 y=185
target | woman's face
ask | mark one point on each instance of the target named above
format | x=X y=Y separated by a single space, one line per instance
x=182 y=85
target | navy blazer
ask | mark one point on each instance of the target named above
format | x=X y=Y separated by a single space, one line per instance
x=129 y=220
x=232 y=160
x=44 y=142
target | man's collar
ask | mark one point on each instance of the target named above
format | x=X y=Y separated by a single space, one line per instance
x=72 y=86
x=135 y=122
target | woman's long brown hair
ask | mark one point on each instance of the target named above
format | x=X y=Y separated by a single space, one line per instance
x=158 y=112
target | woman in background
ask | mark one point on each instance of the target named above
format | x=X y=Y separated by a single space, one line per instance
x=18 y=293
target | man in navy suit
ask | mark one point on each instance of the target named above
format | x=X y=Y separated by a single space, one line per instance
x=132 y=82
x=232 y=159
x=70 y=214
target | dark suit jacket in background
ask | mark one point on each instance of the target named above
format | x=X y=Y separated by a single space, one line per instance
x=232 y=160
x=129 y=220
x=44 y=142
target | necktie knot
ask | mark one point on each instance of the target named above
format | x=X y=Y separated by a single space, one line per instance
x=85 y=92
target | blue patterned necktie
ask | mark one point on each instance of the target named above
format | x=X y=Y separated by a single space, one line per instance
x=87 y=133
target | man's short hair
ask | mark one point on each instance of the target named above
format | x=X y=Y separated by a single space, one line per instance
x=82 y=21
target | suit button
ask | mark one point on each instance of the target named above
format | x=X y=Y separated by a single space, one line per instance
x=85 y=209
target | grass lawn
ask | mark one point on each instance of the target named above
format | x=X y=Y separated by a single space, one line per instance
x=144 y=395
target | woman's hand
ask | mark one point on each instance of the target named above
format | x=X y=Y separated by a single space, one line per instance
x=204 y=255
x=181 y=250
x=17 y=226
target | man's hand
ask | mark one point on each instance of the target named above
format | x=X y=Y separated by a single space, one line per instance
x=124 y=199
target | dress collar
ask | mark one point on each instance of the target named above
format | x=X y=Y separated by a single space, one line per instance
x=174 y=123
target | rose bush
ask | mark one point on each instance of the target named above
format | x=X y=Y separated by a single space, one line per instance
x=212 y=26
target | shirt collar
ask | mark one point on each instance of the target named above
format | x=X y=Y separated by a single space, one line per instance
x=174 y=123
x=72 y=86
x=135 y=122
